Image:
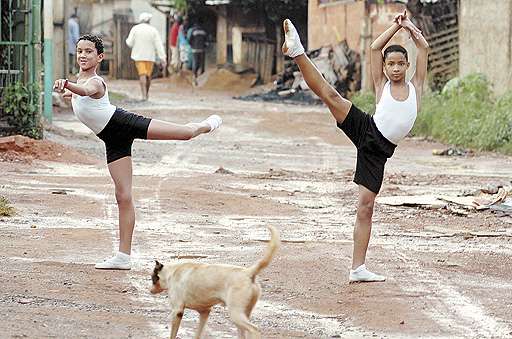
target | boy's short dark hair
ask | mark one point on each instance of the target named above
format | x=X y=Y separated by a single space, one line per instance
x=395 y=48
x=98 y=43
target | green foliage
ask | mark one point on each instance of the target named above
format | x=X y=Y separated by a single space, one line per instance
x=116 y=97
x=181 y=5
x=466 y=113
x=21 y=106
x=365 y=101
x=6 y=210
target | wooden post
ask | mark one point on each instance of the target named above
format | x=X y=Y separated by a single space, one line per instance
x=222 y=36
x=366 y=36
x=279 y=54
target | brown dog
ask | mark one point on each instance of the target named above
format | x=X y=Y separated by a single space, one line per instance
x=201 y=286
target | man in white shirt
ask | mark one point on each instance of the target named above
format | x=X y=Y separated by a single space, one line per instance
x=146 y=45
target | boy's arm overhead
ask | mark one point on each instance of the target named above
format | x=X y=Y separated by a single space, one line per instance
x=376 y=58
x=422 y=58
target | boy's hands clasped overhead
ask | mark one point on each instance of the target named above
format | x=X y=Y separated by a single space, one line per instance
x=402 y=20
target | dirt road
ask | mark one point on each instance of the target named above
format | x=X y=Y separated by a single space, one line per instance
x=285 y=165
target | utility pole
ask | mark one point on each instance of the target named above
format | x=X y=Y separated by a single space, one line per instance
x=48 y=59
x=366 y=35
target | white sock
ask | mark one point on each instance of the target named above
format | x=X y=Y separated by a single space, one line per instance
x=361 y=274
x=292 y=46
x=214 y=121
x=359 y=268
x=123 y=256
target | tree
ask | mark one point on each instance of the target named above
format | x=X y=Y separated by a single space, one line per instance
x=275 y=10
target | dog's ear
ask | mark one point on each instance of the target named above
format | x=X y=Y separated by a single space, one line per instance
x=156 y=270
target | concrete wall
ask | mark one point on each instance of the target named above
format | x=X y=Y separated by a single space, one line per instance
x=487 y=47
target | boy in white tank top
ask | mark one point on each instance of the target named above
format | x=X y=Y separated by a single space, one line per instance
x=118 y=129
x=375 y=137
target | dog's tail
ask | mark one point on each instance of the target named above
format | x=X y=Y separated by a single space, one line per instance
x=271 y=250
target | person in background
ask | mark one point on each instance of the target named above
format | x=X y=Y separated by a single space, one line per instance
x=146 y=45
x=73 y=35
x=184 y=46
x=197 y=38
x=173 y=43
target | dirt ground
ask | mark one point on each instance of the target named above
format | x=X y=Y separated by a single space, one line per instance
x=285 y=165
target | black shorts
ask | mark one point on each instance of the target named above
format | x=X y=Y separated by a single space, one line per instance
x=373 y=149
x=120 y=132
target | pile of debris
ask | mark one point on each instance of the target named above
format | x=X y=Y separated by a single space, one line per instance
x=492 y=198
x=339 y=65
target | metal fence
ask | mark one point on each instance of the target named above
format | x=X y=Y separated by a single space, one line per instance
x=20 y=40
x=20 y=44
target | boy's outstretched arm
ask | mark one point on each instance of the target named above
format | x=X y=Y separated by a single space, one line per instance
x=377 y=60
x=92 y=89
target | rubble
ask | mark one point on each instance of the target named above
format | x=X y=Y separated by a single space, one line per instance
x=503 y=210
x=452 y=151
x=458 y=205
x=222 y=170
x=339 y=65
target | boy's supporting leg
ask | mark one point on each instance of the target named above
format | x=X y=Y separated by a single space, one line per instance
x=121 y=173
x=362 y=232
x=363 y=225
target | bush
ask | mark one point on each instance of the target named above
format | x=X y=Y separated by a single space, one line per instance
x=466 y=113
x=365 y=101
x=6 y=210
x=20 y=104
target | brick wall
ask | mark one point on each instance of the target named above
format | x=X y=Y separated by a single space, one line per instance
x=335 y=22
x=344 y=20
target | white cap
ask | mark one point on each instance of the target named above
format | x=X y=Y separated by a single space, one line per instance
x=145 y=17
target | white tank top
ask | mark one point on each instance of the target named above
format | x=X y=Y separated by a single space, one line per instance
x=93 y=113
x=394 y=119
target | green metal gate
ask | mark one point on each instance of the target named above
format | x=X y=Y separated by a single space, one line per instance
x=20 y=43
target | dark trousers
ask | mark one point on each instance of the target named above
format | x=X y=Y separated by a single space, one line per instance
x=198 y=63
